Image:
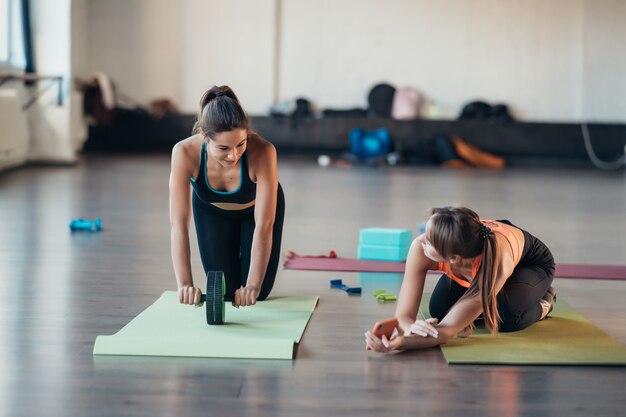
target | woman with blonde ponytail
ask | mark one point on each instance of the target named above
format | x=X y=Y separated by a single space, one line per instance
x=493 y=271
x=227 y=176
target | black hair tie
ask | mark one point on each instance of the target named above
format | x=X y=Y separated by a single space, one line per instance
x=484 y=231
x=219 y=94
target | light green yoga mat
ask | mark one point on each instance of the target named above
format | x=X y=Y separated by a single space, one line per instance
x=565 y=338
x=268 y=330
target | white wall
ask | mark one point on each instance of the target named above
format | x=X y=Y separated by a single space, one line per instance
x=604 y=43
x=555 y=60
x=525 y=53
x=231 y=43
x=180 y=48
x=138 y=44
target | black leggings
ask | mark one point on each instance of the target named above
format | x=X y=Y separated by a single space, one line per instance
x=518 y=301
x=225 y=242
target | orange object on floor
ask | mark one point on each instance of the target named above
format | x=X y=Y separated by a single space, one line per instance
x=476 y=157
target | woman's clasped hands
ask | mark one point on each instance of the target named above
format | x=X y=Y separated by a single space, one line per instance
x=420 y=328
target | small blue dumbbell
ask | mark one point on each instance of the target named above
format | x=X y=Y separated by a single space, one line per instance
x=84 y=224
x=337 y=283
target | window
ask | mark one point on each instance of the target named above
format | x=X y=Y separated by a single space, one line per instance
x=5 y=29
x=11 y=34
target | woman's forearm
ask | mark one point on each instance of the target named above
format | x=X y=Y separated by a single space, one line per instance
x=181 y=256
x=413 y=342
x=418 y=342
x=461 y=315
x=405 y=321
x=260 y=254
x=412 y=287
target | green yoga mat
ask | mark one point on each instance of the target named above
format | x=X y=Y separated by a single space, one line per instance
x=565 y=338
x=268 y=330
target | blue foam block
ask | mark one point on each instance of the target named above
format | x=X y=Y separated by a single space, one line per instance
x=383 y=253
x=385 y=237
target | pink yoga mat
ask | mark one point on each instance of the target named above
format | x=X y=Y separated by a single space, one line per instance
x=609 y=272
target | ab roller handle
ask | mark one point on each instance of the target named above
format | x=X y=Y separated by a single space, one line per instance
x=215 y=297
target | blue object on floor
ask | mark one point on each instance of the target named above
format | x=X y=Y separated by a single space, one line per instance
x=365 y=144
x=337 y=283
x=87 y=225
x=383 y=253
x=422 y=228
x=384 y=244
x=385 y=236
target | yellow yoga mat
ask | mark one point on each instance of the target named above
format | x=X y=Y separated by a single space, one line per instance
x=565 y=338
x=270 y=329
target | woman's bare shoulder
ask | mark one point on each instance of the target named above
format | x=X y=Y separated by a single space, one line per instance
x=260 y=147
x=187 y=148
x=258 y=141
x=418 y=258
x=186 y=156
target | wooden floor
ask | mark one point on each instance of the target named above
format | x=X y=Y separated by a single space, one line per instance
x=59 y=291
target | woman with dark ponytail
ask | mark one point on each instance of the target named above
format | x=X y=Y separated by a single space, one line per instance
x=227 y=176
x=492 y=269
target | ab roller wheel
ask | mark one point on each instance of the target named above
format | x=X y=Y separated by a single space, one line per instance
x=215 y=297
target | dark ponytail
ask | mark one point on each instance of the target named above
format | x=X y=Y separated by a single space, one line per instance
x=486 y=281
x=220 y=111
x=459 y=231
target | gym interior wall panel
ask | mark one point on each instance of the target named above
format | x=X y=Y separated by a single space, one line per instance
x=180 y=48
x=526 y=54
x=229 y=43
x=604 y=43
x=80 y=38
x=137 y=43
x=551 y=61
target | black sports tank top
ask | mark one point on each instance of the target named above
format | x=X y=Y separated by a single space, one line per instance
x=245 y=193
